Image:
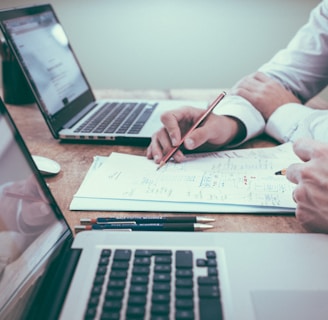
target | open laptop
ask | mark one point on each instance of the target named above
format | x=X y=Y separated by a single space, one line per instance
x=47 y=274
x=39 y=43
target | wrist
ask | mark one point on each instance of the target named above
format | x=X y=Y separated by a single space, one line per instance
x=238 y=130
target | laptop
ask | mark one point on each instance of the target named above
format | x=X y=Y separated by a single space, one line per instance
x=38 y=41
x=47 y=273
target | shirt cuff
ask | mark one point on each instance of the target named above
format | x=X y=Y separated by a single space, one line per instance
x=285 y=121
x=240 y=108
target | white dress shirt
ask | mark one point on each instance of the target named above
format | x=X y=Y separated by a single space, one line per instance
x=302 y=67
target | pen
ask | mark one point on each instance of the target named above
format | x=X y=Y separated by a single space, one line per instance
x=195 y=125
x=21 y=196
x=281 y=172
x=147 y=227
x=144 y=220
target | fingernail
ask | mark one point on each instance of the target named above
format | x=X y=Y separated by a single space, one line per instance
x=189 y=143
x=174 y=141
x=156 y=158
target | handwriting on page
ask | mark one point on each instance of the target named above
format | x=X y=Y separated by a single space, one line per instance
x=200 y=179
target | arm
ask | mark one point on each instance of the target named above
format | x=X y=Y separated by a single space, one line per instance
x=311 y=178
x=302 y=67
x=293 y=76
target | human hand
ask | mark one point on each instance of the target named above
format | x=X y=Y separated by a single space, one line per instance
x=263 y=92
x=215 y=132
x=311 y=178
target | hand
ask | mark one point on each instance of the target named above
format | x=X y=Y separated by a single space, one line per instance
x=215 y=132
x=264 y=93
x=311 y=178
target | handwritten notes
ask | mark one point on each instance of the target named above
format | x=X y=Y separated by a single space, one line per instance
x=235 y=180
x=238 y=180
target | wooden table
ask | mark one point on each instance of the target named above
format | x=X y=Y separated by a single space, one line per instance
x=76 y=158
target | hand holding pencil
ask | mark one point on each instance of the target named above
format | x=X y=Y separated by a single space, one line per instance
x=193 y=128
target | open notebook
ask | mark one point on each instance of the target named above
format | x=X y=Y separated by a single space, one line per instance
x=241 y=181
x=46 y=273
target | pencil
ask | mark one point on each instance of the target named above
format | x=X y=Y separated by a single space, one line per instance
x=281 y=172
x=168 y=156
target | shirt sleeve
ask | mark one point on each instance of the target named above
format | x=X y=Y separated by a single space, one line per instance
x=240 y=108
x=302 y=67
x=304 y=122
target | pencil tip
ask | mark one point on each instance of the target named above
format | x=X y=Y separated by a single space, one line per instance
x=280 y=172
x=160 y=165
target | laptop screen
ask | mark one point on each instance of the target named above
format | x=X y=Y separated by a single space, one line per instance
x=43 y=48
x=31 y=226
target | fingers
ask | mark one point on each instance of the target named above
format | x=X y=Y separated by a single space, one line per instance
x=308 y=149
x=160 y=145
x=293 y=172
x=215 y=131
x=176 y=123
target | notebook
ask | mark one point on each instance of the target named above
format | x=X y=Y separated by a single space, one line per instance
x=62 y=92
x=47 y=273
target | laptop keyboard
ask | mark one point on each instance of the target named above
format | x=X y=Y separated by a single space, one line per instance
x=155 y=285
x=118 y=117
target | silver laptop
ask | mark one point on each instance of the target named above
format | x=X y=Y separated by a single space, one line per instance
x=46 y=274
x=38 y=41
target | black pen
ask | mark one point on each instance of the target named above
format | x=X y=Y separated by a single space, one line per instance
x=138 y=220
x=147 y=227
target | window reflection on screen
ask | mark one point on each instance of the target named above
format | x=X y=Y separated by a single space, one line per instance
x=29 y=229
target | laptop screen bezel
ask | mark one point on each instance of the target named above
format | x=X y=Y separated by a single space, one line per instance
x=66 y=237
x=57 y=121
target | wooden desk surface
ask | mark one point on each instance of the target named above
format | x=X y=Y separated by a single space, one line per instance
x=76 y=158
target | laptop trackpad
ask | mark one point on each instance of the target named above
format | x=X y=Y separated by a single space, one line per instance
x=287 y=305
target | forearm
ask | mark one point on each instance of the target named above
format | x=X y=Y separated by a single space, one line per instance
x=304 y=122
x=303 y=66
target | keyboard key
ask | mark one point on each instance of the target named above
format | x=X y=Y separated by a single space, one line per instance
x=139 y=279
x=112 y=305
x=208 y=291
x=184 y=273
x=210 y=309
x=162 y=268
x=137 y=299
x=138 y=289
x=161 y=287
x=122 y=255
x=160 y=309
x=184 y=303
x=161 y=298
x=162 y=277
x=185 y=314
x=184 y=283
x=183 y=259
x=135 y=312
x=184 y=293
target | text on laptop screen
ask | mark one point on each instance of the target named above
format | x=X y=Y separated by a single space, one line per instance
x=29 y=227
x=44 y=49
